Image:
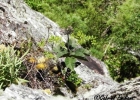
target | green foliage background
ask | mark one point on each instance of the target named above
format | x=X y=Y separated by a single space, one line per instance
x=126 y=37
x=90 y=19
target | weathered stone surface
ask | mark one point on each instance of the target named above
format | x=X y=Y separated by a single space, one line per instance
x=97 y=82
x=129 y=90
x=18 y=23
x=19 y=92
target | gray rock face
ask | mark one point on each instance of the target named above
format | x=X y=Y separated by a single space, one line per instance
x=97 y=81
x=129 y=90
x=20 y=23
x=19 y=92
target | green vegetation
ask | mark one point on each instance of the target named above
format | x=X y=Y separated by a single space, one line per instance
x=73 y=77
x=10 y=66
x=71 y=53
x=108 y=28
x=126 y=37
x=41 y=43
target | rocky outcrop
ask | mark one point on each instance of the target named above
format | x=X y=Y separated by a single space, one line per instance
x=20 y=23
x=19 y=92
x=129 y=90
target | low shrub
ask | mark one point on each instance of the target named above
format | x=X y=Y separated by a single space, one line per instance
x=10 y=66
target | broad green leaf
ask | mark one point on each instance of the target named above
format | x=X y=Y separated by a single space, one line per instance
x=60 y=51
x=61 y=54
x=73 y=43
x=79 y=52
x=70 y=62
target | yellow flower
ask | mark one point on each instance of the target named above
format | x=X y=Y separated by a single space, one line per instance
x=2 y=47
x=55 y=68
x=48 y=91
x=41 y=66
x=32 y=60
x=42 y=59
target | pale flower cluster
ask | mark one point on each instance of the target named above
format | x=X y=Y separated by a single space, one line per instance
x=2 y=47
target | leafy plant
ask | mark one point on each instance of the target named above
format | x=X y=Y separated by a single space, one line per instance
x=10 y=66
x=41 y=43
x=85 y=40
x=49 y=55
x=122 y=64
x=54 y=39
x=68 y=50
x=71 y=52
x=73 y=77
